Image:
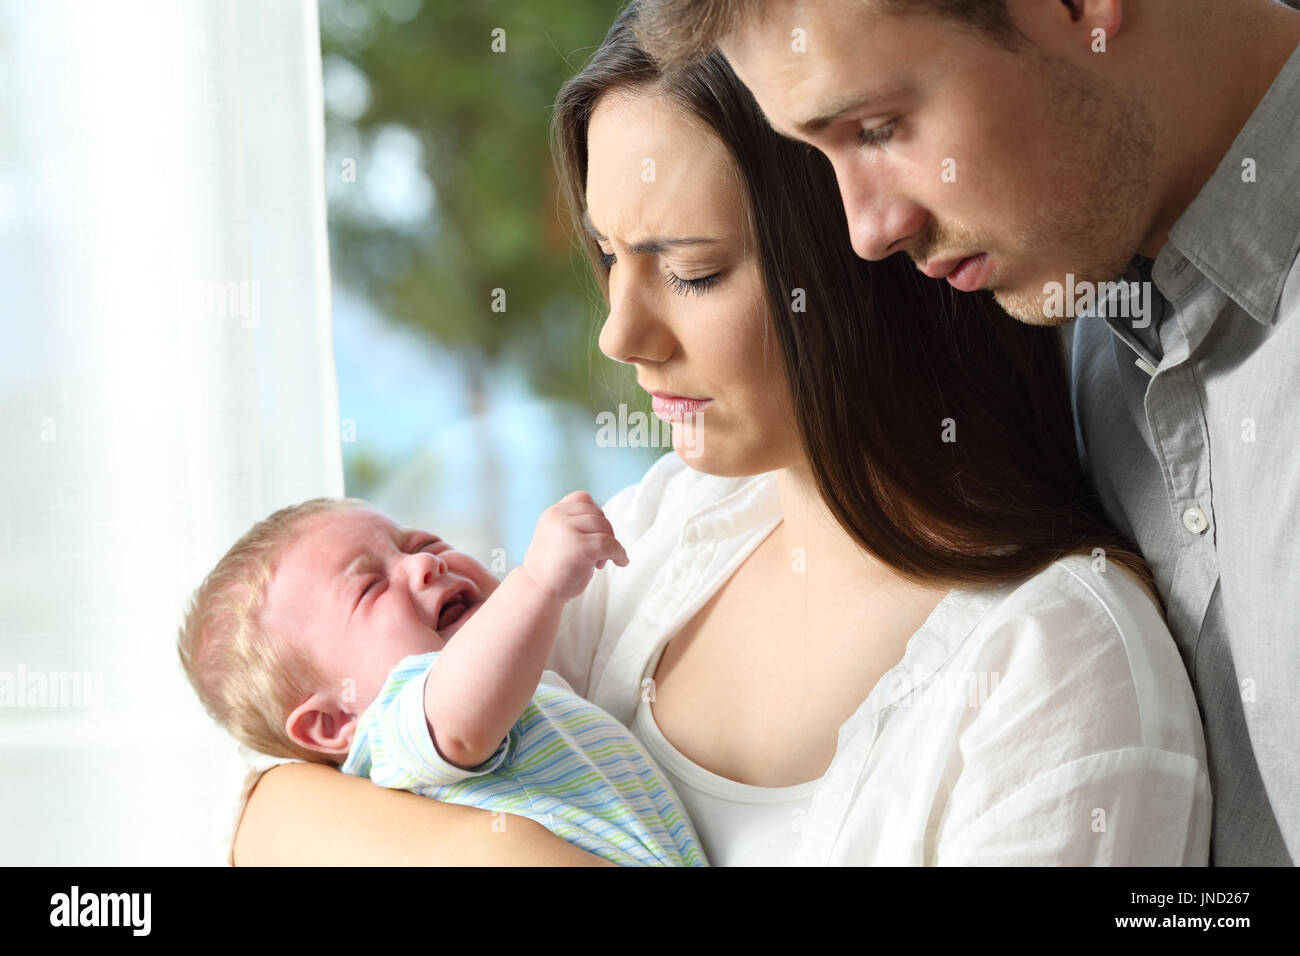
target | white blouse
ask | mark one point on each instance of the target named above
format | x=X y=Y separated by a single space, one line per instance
x=1047 y=721
x=738 y=824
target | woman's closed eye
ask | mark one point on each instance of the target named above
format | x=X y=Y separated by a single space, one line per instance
x=675 y=282
x=687 y=286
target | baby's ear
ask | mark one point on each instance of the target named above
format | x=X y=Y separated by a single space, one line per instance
x=320 y=724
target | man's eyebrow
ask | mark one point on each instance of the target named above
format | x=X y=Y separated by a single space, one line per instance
x=651 y=246
x=837 y=109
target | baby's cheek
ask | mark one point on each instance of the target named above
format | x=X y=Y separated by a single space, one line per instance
x=484 y=579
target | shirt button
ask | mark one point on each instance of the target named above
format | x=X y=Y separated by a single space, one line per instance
x=1194 y=520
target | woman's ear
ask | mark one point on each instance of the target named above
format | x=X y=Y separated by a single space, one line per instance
x=319 y=723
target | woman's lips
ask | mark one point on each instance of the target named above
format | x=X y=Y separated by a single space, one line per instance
x=674 y=408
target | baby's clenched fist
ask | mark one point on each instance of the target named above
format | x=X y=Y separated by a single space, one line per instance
x=573 y=539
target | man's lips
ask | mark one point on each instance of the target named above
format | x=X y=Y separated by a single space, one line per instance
x=967 y=274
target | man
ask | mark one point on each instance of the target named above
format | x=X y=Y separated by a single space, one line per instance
x=1045 y=150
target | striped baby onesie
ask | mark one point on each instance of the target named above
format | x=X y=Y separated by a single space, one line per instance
x=565 y=763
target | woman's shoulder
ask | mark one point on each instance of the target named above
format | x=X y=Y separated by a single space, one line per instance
x=1092 y=585
x=1077 y=740
x=1085 y=637
x=245 y=768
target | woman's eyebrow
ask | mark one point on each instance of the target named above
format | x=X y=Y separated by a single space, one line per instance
x=651 y=246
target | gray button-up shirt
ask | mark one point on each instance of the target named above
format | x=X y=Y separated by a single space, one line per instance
x=1188 y=421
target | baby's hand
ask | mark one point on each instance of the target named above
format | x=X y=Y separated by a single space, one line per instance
x=572 y=539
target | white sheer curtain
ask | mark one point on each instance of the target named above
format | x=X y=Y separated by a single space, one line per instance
x=166 y=378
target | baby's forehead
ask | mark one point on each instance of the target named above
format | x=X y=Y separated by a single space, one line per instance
x=346 y=528
x=355 y=528
x=355 y=516
x=319 y=545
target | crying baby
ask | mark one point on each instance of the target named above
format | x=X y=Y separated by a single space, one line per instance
x=330 y=634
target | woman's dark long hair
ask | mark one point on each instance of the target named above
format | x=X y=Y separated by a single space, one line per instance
x=882 y=358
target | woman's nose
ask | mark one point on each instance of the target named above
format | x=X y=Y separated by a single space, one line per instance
x=424 y=569
x=632 y=331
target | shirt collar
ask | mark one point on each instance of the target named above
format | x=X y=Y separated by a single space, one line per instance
x=735 y=506
x=930 y=649
x=1244 y=235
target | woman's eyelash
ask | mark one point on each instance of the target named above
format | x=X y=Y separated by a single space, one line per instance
x=676 y=283
x=698 y=286
x=877 y=136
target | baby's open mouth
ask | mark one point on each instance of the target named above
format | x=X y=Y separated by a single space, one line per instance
x=453 y=610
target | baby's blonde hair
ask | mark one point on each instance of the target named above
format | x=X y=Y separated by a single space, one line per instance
x=249 y=681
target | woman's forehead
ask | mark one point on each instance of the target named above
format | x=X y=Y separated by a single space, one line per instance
x=651 y=170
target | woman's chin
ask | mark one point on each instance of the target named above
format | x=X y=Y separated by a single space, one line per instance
x=719 y=463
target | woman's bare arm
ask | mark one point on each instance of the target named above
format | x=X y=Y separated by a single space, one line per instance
x=312 y=815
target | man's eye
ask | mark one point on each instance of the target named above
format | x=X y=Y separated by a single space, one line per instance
x=877 y=136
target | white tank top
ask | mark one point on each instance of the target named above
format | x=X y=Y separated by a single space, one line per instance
x=738 y=824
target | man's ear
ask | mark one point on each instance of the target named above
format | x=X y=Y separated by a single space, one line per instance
x=320 y=723
x=1066 y=24
x=1105 y=14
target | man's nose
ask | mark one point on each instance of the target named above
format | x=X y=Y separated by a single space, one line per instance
x=424 y=569
x=632 y=331
x=881 y=222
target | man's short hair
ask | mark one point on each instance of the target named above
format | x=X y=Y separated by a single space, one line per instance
x=676 y=32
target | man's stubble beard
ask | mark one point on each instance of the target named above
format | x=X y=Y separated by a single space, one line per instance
x=1105 y=167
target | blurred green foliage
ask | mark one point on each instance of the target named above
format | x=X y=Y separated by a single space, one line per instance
x=411 y=79
x=364 y=471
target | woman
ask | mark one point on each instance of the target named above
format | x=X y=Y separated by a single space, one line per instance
x=872 y=614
